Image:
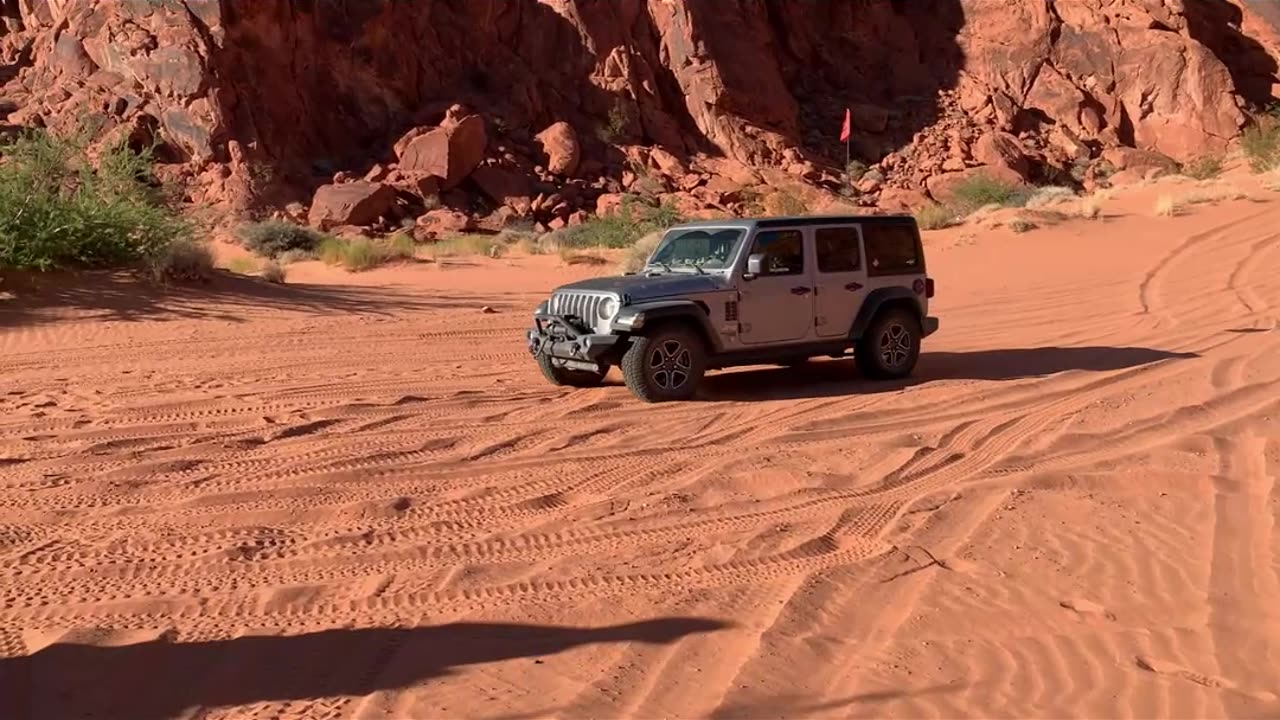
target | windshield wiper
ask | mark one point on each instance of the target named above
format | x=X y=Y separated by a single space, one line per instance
x=698 y=267
x=664 y=265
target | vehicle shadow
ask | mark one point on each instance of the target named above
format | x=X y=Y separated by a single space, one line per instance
x=840 y=377
x=158 y=679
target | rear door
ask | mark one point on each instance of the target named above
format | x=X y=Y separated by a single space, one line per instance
x=841 y=281
x=894 y=257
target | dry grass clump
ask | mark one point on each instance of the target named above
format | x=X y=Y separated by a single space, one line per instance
x=182 y=260
x=360 y=254
x=935 y=216
x=1168 y=206
x=639 y=253
x=1050 y=195
x=273 y=272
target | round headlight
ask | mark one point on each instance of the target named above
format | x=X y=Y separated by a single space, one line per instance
x=608 y=308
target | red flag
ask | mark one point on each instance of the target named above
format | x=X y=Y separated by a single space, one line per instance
x=846 y=130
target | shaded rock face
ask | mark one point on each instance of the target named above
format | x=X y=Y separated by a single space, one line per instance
x=311 y=88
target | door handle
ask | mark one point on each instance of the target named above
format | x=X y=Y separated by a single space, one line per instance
x=800 y=291
x=853 y=286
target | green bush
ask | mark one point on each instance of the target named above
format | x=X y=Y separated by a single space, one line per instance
x=981 y=190
x=620 y=230
x=1261 y=144
x=273 y=238
x=58 y=209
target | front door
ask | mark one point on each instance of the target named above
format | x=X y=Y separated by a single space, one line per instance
x=841 y=280
x=777 y=304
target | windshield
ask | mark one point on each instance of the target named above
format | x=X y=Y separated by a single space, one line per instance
x=707 y=249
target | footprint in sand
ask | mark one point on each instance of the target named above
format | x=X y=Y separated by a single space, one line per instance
x=1087 y=608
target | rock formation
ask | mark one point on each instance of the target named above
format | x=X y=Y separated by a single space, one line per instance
x=543 y=106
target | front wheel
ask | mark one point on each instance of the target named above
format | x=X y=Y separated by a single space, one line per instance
x=566 y=377
x=891 y=346
x=665 y=365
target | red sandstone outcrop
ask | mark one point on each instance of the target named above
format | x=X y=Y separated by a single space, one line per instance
x=513 y=103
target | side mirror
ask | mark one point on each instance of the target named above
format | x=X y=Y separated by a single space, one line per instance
x=755 y=266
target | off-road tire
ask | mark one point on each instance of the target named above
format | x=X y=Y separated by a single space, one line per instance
x=890 y=347
x=665 y=365
x=566 y=377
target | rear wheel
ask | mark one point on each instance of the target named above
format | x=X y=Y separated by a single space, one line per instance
x=665 y=365
x=891 y=345
x=566 y=377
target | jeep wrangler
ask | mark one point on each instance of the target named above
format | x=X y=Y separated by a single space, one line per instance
x=725 y=293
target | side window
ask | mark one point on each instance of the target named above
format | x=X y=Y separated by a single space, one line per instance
x=783 y=251
x=838 y=250
x=892 y=249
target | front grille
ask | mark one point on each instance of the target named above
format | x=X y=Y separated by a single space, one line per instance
x=585 y=306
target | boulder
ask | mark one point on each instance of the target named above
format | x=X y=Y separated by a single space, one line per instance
x=449 y=153
x=1002 y=150
x=505 y=187
x=352 y=203
x=439 y=223
x=559 y=143
x=900 y=200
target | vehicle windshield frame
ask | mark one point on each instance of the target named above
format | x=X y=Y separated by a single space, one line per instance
x=669 y=236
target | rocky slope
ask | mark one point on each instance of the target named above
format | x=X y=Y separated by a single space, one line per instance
x=545 y=110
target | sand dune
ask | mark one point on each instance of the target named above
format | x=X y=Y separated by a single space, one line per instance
x=354 y=496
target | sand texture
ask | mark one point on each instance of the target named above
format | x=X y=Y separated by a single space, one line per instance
x=354 y=496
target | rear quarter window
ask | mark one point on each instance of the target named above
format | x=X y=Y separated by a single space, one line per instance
x=892 y=249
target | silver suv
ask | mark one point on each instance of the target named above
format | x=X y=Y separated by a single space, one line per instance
x=724 y=293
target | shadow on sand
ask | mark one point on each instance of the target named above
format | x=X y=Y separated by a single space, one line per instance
x=834 y=378
x=121 y=296
x=155 y=680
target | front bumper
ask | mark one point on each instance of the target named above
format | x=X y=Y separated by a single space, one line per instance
x=560 y=339
x=930 y=326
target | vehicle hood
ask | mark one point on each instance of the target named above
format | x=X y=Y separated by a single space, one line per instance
x=641 y=288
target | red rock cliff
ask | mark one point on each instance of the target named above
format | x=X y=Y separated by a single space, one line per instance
x=300 y=89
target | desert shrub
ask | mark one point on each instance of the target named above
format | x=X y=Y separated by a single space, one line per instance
x=619 y=230
x=60 y=208
x=1203 y=168
x=273 y=238
x=183 y=260
x=784 y=204
x=935 y=216
x=331 y=250
x=981 y=190
x=273 y=272
x=1261 y=143
x=1021 y=225
x=363 y=254
x=288 y=257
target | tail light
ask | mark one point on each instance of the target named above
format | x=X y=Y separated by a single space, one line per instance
x=928 y=287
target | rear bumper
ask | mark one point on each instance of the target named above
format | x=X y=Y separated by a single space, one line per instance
x=930 y=326
x=556 y=337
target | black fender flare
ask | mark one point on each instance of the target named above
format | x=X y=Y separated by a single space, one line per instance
x=633 y=319
x=881 y=298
